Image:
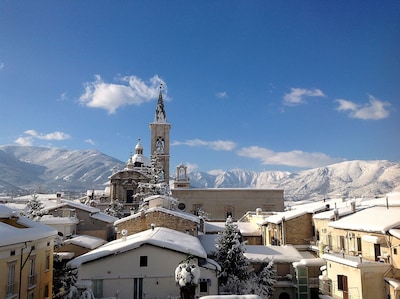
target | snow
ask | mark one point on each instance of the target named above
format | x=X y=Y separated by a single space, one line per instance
x=279 y=254
x=231 y=297
x=104 y=217
x=160 y=236
x=395 y=233
x=245 y=228
x=30 y=230
x=353 y=261
x=395 y=283
x=317 y=262
x=375 y=219
x=208 y=242
x=50 y=219
x=86 y=241
x=277 y=219
x=179 y=214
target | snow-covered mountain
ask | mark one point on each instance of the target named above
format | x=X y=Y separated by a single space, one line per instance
x=53 y=169
x=350 y=178
x=28 y=168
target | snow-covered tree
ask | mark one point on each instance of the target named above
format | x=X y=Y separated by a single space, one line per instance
x=34 y=208
x=115 y=208
x=64 y=279
x=235 y=271
x=262 y=283
x=156 y=184
x=187 y=276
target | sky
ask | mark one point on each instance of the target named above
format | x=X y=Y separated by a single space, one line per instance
x=254 y=85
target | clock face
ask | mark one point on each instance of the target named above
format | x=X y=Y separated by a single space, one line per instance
x=181 y=206
x=124 y=232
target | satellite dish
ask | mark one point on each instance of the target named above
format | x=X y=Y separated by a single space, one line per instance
x=124 y=232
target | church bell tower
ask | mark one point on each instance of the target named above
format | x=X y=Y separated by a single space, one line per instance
x=160 y=137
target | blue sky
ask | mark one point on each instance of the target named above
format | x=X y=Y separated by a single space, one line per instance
x=257 y=85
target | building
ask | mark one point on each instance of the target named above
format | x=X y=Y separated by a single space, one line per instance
x=26 y=256
x=129 y=267
x=128 y=184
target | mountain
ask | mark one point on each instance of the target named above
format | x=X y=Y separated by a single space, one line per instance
x=26 y=168
x=350 y=178
x=53 y=169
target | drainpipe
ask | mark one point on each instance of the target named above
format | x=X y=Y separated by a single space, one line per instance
x=283 y=231
x=21 y=267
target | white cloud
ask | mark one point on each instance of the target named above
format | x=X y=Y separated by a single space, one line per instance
x=32 y=134
x=295 y=158
x=90 y=141
x=63 y=97
x=25 y=141
x=297 y=95
x=222 y=95
x=218 y=145
x=374 y=110
x=131 y=91
x=2 y=65
x=49 y=136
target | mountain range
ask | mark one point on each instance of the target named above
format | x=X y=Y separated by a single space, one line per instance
x=26 y=169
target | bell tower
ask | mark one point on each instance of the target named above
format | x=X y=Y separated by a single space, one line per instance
x=160 y=137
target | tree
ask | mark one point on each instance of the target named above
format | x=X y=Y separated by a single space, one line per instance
x=64 y=279
x=187 y=276
x=34 y=208
x=262 y=283
x=115 y=208
x=235 y=271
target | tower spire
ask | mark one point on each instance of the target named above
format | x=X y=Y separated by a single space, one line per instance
x=160 y=116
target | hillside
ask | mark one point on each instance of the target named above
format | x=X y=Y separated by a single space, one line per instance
x=27 y=168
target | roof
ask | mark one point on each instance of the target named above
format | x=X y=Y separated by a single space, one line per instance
x=86 y=241
x=395 y=232
x=179 y=214
x=30 y=230
x=353 y=261
x=375 y=219
x=161 y=237
x=50 y=219
x=279 y=254
x=288 y=215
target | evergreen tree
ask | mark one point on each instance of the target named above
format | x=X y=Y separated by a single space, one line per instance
x=235 y=271
x=64 y=279
x=34 y=208
x=115 y=208
x=262 y=283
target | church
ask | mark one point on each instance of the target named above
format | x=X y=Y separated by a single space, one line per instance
x=129 y=184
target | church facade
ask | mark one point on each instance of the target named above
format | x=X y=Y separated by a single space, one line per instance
x=127 y=184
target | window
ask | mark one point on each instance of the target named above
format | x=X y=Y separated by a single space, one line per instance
x=359 y=249
x=203 y=286
x=12 y=253
x=342 y=283
x=47 y=265
x=342 y=243
x=31 y=295
x=32 y=275
x=138 y=288
x=11 y=284
x=46 y=291
x=395 y=251
x=98 y=288
x=143 y=261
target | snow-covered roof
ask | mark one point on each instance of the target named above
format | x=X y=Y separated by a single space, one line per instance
x=158 y=196
x=161 y=237
x=104 y=217
x=86 y=241
x=395 y=283
x=179 y=214
x=375 y=219
x=288 y=215
x=279 y=254
x=50 y=219
x=245 y=228
x=341 y=212
x=30 y=231
x=208 y=243
x=318 y=262
x=395 y=232
x=353 y=261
